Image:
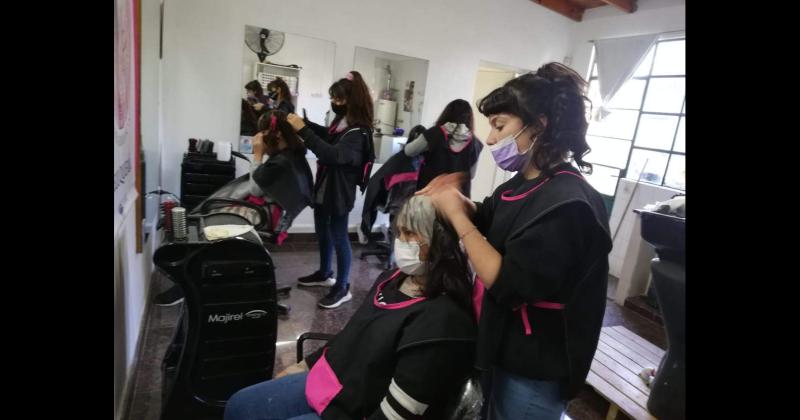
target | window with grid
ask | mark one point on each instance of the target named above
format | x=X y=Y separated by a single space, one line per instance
x=646 y=123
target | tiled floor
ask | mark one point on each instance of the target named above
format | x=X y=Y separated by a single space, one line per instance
x=296 y=259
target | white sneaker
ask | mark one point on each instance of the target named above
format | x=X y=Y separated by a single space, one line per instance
x=335 y=298
x=316 y=280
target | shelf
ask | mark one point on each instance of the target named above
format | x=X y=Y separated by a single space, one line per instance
x=279 y=65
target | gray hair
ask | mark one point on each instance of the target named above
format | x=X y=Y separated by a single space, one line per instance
x=417 y=215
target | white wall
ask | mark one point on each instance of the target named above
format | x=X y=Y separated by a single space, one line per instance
x=131 y=285
x=131 y=270
x=120 y=356
x=486 y=179
x=150 y=99
x=203 y=51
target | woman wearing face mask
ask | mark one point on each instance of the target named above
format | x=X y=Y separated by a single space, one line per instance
x=256 y=97
x=448 y=147
x=343 y=150
x=280 y=95
x=539 y=245
x=403 y=355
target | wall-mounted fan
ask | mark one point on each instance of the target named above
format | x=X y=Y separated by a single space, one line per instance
x=262 y=41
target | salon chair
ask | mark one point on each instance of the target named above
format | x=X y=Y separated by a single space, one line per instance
x=466 y=404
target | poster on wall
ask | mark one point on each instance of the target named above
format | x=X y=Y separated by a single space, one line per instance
x=125 y=115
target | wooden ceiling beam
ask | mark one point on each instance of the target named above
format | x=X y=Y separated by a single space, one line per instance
x=626 y=5
x=563 y=7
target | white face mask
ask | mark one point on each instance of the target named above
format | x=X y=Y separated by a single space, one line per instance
x=406 y=255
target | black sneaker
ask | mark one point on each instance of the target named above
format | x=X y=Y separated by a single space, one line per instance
x=317 y=279
x=172 y=296
x=335 y=298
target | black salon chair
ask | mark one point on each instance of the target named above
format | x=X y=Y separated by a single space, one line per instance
x=465 y=405
x=382 y=250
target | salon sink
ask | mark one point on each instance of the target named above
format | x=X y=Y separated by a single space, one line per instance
x=666 y=233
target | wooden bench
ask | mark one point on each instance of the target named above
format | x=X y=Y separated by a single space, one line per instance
x=620 y=357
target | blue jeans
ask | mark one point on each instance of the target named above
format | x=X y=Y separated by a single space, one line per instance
x=277 y=399
x=332 y=233
x=514 y=397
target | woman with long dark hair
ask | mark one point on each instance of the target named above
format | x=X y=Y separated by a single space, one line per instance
x=256 y=97
x=280 y=95
x=450 y=146
x=343 y=152
x=404 y=353
x=539 y=245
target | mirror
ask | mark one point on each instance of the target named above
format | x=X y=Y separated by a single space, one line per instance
x=397 y=83
x=303 y=63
